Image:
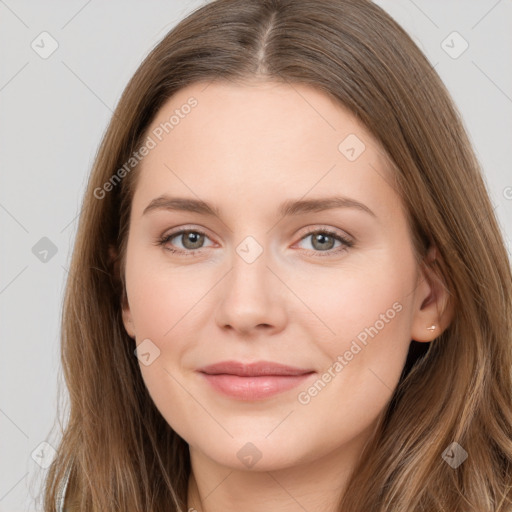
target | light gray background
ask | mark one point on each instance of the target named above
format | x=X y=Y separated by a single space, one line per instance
x=53 y=113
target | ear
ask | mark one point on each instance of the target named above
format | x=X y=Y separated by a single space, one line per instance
x=433 y=306
x=125 y=307
x=127 y=319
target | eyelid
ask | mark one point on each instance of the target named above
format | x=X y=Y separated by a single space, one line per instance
x=309 y=230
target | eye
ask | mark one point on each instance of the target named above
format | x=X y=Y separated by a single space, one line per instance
x=323 y=241
x=192 y=241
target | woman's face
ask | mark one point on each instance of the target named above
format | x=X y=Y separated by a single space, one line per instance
x=302 y=259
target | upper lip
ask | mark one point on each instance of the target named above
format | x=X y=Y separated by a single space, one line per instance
x=255 y=369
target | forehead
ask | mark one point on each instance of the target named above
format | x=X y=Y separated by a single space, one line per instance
x=277 y=114
x=259 y=139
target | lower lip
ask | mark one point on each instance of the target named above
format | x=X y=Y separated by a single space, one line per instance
x=254 y=388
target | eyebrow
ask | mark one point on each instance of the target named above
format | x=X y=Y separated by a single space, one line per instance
x=287 y=209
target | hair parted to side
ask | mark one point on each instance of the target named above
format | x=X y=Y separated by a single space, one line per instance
x=122 y=454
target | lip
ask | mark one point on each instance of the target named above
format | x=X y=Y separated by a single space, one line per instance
x=256 y=369
x=253 y=381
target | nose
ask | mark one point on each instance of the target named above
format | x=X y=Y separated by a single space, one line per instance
x=253 y=298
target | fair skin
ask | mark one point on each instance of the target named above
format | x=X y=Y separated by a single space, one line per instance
x=246 y=149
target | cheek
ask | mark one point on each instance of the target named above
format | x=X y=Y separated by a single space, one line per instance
x=364 y=297
x=362 y=364
x=162 y=296
x=364 y=333
x=164 y=305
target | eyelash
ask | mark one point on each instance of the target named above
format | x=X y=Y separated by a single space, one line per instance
x=161 y=241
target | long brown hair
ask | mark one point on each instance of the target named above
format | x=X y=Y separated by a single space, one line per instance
x=121 y=453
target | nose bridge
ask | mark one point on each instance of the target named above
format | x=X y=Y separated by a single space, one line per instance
x=249 y=279
x=250 y=250
x=251 y=295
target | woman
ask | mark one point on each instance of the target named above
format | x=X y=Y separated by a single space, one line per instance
x=288 y=289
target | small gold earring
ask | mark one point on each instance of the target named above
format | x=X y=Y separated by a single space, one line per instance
x=432 y=328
